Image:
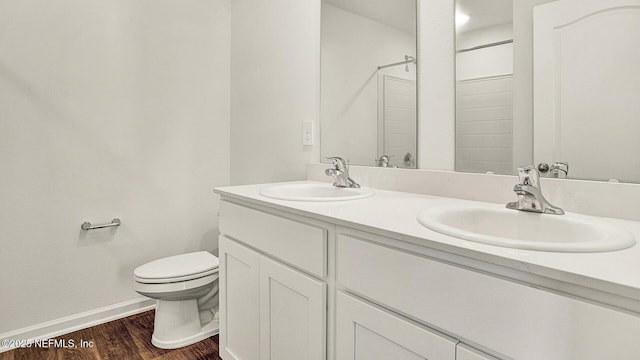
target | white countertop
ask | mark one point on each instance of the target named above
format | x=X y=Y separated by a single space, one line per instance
x=393 y=214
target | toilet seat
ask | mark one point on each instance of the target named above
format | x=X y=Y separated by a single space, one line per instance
x=175 y=279
x=177 y=286
x=177 y=268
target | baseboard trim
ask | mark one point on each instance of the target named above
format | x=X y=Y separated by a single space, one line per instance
x=79 y=321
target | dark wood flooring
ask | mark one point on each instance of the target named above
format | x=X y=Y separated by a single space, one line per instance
x=128 y=338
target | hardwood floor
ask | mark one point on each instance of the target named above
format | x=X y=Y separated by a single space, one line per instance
x=128 y=338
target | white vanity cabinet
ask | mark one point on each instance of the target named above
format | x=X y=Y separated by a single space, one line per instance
x=269 y=309
x=502 y=316
x=302 y=287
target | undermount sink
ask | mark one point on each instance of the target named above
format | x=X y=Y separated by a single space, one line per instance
x=314 y=192
x=525 y=230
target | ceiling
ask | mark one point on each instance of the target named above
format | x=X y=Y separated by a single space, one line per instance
x=485 y=13
x=400 y=14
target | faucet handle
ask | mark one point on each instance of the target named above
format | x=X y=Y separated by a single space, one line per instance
x=560 y=169
x=333 y=158
x=338 y=162
x=529 y=175
x=383 y=160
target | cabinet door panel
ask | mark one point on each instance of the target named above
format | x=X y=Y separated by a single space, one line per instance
x=239 y=296
x=292 y=314
x=365 y=332
x=371 y=345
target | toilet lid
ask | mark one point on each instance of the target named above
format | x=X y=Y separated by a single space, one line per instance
x=177 y=266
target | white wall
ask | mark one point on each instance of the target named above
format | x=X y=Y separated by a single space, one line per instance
x=523 y=80
x=476 y=37
x=107 y=109
x=353 y=47
x=275 y=87
x=436 y=85
x=491 y=61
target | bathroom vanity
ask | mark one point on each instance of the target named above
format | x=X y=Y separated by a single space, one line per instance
x=363 y=279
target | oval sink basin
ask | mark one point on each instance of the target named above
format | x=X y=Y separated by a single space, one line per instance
x=524 y=230
x=314 y=192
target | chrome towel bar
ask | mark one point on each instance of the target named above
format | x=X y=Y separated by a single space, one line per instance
x=87 y=225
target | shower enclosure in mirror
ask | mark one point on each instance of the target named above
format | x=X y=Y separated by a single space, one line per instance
x=484 y=86
x=368 y=82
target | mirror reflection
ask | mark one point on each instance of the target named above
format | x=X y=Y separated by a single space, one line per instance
x=586 y=88
x=368 y=82
x=484 y=86
x=549 y=83
x=552 y=83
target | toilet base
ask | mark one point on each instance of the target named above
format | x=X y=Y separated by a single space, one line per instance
x=177 y=324
x=209 y=330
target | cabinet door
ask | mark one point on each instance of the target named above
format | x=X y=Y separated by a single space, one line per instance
x=239 y=296
x=366 y=332
x=468 y=353
x=292 y=314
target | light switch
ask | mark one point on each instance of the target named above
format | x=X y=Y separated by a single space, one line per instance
x=307 y=133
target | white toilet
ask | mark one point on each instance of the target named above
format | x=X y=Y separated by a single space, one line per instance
x=186 y=289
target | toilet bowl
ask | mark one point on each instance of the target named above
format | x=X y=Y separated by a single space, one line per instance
x=186 y=290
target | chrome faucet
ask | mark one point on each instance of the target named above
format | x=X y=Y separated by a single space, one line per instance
x=340 y=173
x=530 y=196
x=384 y=161
x=559 y=169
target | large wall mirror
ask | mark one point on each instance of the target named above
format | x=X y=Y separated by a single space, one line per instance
x=553 y=83
x=368 y=82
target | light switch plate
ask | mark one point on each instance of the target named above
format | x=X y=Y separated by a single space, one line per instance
x=307 y=133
